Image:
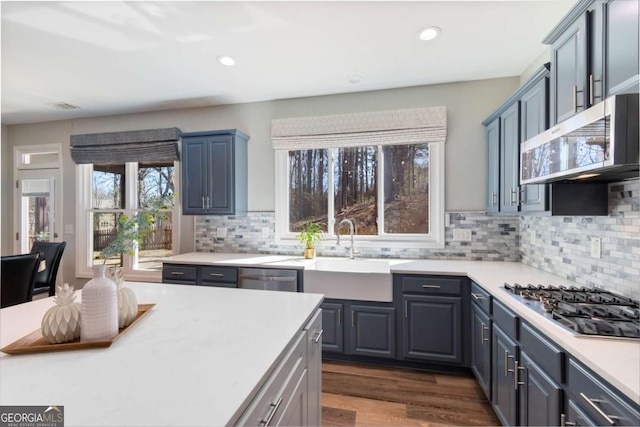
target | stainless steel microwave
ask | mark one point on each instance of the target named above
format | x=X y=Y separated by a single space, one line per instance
x=600 y=143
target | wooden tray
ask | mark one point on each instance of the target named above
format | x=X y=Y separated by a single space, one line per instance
x=35 y=342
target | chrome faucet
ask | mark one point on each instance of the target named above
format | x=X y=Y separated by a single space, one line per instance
x=352 y=251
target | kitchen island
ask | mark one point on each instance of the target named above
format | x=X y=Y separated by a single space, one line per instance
x=201 y=357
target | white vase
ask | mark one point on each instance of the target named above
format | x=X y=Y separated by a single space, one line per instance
x=99 y=317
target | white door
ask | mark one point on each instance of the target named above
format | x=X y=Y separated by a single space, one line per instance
x=38 y=200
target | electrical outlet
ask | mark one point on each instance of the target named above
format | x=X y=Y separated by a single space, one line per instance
x=221 y=232
x=596 y=247
x=461 y=235
x=265 y=232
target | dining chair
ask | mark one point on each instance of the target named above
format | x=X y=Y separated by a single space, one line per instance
x=17 y=277
x=51 y=254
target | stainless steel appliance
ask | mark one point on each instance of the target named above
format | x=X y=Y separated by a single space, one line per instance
x=587 y=312
x=601 y=143
x=268 y=279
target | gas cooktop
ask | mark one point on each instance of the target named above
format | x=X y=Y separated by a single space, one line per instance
x=588 y=312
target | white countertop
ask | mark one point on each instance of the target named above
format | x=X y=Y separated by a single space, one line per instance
x=616 y=361
x=194 y=360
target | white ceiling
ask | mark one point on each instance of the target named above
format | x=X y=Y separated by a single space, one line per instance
x=124 y=57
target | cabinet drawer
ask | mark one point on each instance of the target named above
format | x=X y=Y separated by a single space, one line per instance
x=271 y=400
x=549 y=357
x=481 y=297
x=505 y=318
x=218 y=274
x=599 y=401
x=432 y=285
x=172 y=273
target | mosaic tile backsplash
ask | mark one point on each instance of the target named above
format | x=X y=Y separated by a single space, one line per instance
x=493 y=239
x=562 y=245
x=557 y=244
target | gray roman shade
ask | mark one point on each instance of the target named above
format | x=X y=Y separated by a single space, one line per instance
x=393 y=127
x=150 y=145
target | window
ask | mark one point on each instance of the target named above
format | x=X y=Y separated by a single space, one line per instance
x=393 y=192
x=108 y=191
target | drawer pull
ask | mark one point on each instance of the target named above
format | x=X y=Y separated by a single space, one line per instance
x=516 y=371
x=564 y=422
x=316 y=339
x=177 y=273
x=274 y=409
x=216 y=274
x=476 y=296
x=592 y=402
x=431 y=286
x=506 y=363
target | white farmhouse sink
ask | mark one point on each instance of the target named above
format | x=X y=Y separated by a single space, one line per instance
x=347 y=265
x=354 y=279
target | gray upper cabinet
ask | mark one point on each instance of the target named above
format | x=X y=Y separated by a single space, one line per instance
x=534 y=120
x=568 y=71
x=493 y=166
x=594 y=54
x=620 y=46
x=214 y=173
x=522 y=116
x=509 y=159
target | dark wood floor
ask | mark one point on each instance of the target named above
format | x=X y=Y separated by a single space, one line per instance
x=374 y=396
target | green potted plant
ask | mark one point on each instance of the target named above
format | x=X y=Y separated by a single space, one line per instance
x=310 y=233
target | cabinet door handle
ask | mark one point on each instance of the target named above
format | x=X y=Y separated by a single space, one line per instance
x=353 y=319
x=208 y=203
x=203 y=203
x=177 y=273
x=522 y=199
x=564 y=422
x=476 y=296
x=431 y=286
x=575 y=99
x=494 y=199
x=483 y=328
x=339 y=317
x=317 y=336
x=274 y=409
x=590 y=89
x=610 y=418
x=216 y=274
x=511 y=198
x=506 y=363
x=517 y=368
x=406 y=308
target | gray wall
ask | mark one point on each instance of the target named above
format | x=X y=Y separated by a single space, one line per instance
x=468 y=103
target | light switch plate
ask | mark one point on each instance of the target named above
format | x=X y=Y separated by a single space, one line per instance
x=461 y=235
x=221 y=232
x=596 y=247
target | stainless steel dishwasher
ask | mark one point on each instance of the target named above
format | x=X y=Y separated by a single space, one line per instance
x=268 y=279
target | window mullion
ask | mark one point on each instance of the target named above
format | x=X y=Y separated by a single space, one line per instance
x=330 y=195
x=380 y=191
x=131 y=204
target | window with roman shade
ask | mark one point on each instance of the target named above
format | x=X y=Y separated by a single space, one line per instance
x=384 y=169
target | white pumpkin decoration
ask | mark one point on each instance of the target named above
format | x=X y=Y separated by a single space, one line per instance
x=127 y=302
x=61 y=323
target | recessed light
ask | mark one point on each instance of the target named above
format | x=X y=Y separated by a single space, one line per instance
x=354 y=79
x=226 y=60
x=429 y=33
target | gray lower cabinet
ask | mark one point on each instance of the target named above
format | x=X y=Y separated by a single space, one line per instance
x=333 y=331
x=540 y=397
x=200 y=275
x=372 y=331
x=481 y=347
x=592 y=401
x=314 y=373
x=504 y=395
x=432 y=328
